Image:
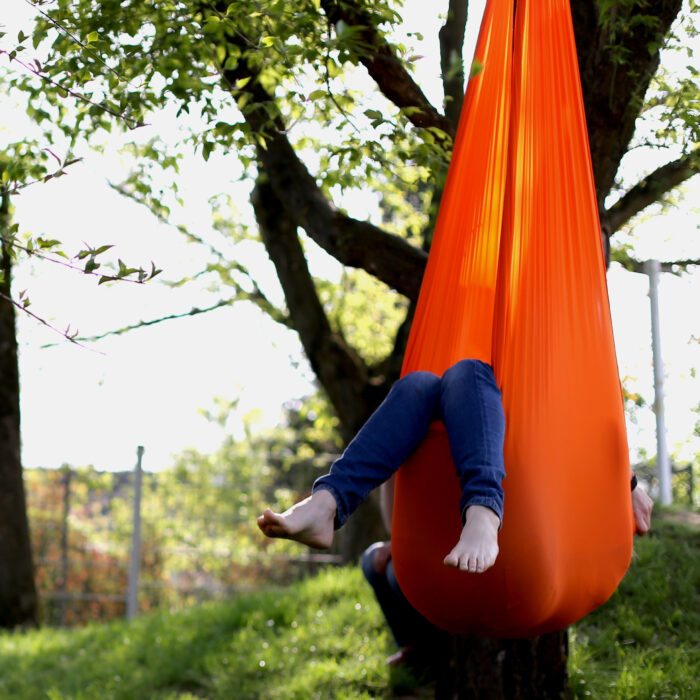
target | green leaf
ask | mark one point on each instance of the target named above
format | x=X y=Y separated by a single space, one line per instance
x=211 y=26
x=102 y=249
x=92 y=37
x=376 y=116
x=47 y=242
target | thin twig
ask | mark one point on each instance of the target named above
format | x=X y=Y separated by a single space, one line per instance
x=142 y=324
x=124 y=192
x=327 y=78
x=131 y=123
x=101 y=275
x=71 y=339
x=72 y=36
x=46 y=178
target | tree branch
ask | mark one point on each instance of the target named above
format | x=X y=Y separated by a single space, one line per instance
x=452 y=60
x=194 y=311
x=634 y=265
x=617 y=61
x=650 y=189
x=163 y=218
x=339 y=368
x=70 y=337
x=354 y=243
x=385 y=67
x=130 y=122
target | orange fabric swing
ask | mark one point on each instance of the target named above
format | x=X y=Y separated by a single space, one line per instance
x=516 y=278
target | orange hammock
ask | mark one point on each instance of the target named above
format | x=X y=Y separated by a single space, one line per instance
x=516 y=278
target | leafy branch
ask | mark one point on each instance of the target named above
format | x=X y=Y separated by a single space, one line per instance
x=652 y=188
x=38 y=72
x=8 y=187
x=621 y=256
x=224 y=267
x=23 y=306
x=36 y=248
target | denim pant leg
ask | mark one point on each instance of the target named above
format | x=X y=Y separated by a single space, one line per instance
x=385 y=441
x=407 y=625
x=472 y=411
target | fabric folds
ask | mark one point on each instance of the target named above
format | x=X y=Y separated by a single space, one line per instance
x=516 y=278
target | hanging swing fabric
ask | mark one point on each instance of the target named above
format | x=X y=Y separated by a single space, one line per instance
x=516 y=277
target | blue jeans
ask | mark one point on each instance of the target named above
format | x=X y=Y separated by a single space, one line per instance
x=467 y=400
x=407 y=625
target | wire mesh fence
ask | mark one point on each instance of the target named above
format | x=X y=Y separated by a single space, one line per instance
x=196 y=544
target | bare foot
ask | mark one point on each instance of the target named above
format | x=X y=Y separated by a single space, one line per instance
x=310 y=521
x=477 y=548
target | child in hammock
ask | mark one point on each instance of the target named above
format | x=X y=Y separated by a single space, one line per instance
x=468 y=401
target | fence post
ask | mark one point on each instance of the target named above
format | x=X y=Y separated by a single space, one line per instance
x=663 y=463
x=67 y=474
x=132 y=597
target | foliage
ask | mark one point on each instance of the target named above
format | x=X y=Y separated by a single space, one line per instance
x=199 y=537
x=81 y=552
x=324 y=637
x=237 y=74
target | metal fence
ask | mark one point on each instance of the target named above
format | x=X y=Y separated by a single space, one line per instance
x=97 y=558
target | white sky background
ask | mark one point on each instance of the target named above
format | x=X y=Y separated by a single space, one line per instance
x=95 y=406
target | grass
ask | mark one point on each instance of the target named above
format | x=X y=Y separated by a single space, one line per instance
x=645 y=642
x=325 y=638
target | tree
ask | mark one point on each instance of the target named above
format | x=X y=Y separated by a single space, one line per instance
x=271 y=84
x=18 y=599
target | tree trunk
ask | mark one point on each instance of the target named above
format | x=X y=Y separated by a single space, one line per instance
x=18 y=598
x=477 y=668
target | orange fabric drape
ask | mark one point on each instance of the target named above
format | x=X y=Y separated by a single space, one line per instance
x=516 y=278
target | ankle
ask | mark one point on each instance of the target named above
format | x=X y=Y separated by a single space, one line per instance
x=325 y=502
x=483 y=514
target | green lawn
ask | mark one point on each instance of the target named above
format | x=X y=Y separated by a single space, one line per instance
x=324 y=638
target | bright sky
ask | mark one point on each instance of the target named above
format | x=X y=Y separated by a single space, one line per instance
x=146 y=387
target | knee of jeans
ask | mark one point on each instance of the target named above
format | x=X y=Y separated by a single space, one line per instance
x=423 y=383
x=470 y=367
x=367 y=563
x=467 y=365
x=393 y=582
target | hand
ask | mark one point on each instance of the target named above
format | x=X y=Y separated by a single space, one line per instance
x=381 y=556
x=642 y=506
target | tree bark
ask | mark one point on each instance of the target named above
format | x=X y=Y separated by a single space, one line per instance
x=18 y=598
x=478 y=668
x=339 y=368
x=617 y=61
